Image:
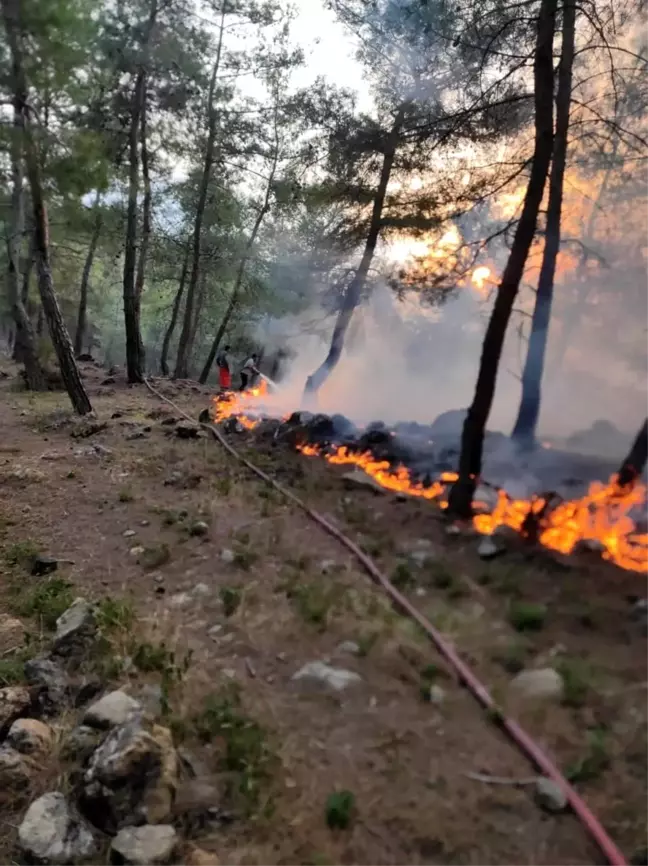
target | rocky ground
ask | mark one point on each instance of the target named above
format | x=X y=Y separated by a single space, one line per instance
x=192 y=671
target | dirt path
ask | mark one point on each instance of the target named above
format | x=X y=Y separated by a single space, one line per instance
x=247 y=590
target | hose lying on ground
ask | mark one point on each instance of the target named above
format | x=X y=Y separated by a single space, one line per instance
x=465 y=675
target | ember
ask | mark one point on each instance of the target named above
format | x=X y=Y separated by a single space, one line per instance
x=601 y=516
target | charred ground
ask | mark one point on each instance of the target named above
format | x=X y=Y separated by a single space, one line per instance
x=243 y=588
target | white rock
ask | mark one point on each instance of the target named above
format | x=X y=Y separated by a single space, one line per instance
x=113 y=709
x=150 y=844
x=319 y=675
x=326 y=566
x=214 y=631
x=201 y=589
x=50 y=833
x=437 y=695
x=227 y=555
x=135 y=551
x=75 y=624
x=129 y=533
x=544 y=683
x=349 y=646
x=549 y=796
x=487 y=548
x=180 y=599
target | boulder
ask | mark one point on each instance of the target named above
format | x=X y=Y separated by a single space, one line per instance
x=12 y=632
x=75 y=629
x=541 y=684
x=318 y=676
x=145 y=845
x=111 y=710
x=51 y=832
x=51 y=680
x=132 y=777
x=16 y=773
x=14 y=701
x=31 y=737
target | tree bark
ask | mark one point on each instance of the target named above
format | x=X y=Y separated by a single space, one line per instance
x=164 y=366
x=354 y=291
x=200 y=302
x=134 y=345
x=472 y=438
x=526 y=424
x=184 y=343
x=24 y=347
x=635 y=462
x=18 y=349
x=79 y=335
x=58 y=331
x=146 y=211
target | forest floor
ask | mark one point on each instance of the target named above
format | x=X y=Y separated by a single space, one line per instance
x=231 y=584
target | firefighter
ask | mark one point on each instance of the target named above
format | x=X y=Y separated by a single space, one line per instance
x=224 y=371
x=249 y=371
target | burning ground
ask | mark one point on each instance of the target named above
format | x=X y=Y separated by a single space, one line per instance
x=416 y=460
x=238 y=590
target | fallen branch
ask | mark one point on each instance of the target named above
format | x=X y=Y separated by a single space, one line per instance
x=500 y=780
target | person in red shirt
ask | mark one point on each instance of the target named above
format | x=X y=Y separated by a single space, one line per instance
x=224 y=371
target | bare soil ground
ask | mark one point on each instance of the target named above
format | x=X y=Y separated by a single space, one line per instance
x=291 y=595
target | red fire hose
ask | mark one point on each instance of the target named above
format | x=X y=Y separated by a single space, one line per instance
x=466 y=677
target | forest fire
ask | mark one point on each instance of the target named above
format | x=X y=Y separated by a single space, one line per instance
x=600 y=519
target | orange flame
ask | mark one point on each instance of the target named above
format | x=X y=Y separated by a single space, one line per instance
x=602 y=515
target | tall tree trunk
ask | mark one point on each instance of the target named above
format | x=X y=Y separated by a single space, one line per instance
x=184 y=343
x=200 y=303
x=134 y=345
x=526 y=424
x=635 y=462
x=18 y=349
x=79 y=335
x=164 y=365
x=146 y=211
x=354 y=291
x=238 y=282
x=24 y=348
x=472 y=438
x=58 y=331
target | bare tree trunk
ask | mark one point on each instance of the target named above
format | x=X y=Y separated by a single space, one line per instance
x=234 y=298
x=354 y=291
x=472 y=438
x=18 y=349
x=24 y=348
x=58 y=332
x=525 y=427
x=184 y=343
x=79 y=335
x=134 y=346
x=200 y=302
x=635 y=462
x=164 y=366
x=146 y=212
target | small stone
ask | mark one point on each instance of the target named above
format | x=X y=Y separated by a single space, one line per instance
x=141 y=846
x=544 y=683
x=129 y=533
x=113 y=709
x=227 y=555
x=74 y=628
x=199 y=528
x=420 y=557
x=43 y=565
x=31 y=737
x=282 y=657
x=101 y=450
x=195 y=856
x=51 y=833
x=16 y=771
x=487 y=548
x=14 y=700
x=327 y=566
x=318 y=675
x=453 y=529
x=136 y=551
x=214 y=631
x=145 y=522
x=12 y=632
x=549 y=796
x=350 y=647
x=180 y=599
x=80 y=743
x=201 y=590
x=437 y=695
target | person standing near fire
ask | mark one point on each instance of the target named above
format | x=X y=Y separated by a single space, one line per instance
x=224 y=369
x=249 y=372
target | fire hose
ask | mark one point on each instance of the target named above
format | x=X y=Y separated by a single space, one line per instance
x=465 y=676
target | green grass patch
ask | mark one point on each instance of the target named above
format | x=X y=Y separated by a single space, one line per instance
x=577 y=681
x=339 y=809
x=45 y=601
x=594 y=762
x=231 y=598
x=527 y=616
x=21 y=554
